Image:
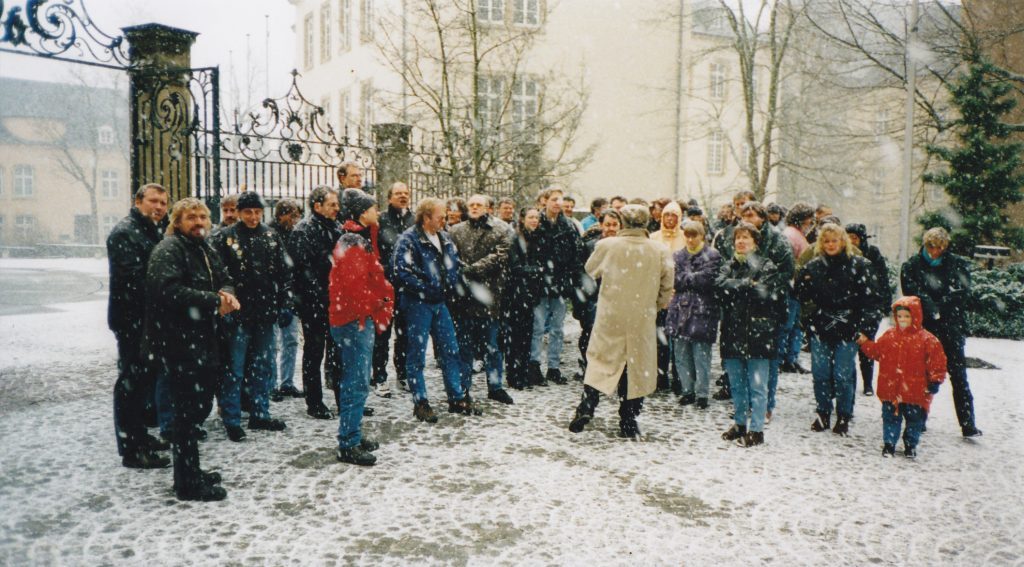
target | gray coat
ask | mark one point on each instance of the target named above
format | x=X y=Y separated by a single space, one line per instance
x=483 y=246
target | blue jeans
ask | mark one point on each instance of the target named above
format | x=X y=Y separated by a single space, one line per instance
x=355 y=353
x=282 y=365
x=253 y=343
x=749 y=381
x=892 y=418
x=548 y=317
x=773 y=381
x=791 y=336
x=478 y=337
x=693 y=360
x=430 y=320
x=832 y=366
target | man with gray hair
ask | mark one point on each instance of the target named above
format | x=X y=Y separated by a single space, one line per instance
x=943 y=282
x=483 y=244
x=622 y=357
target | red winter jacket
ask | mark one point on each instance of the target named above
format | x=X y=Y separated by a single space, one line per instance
x=358 y=288
x=908 y=359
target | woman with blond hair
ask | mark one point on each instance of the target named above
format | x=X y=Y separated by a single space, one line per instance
x=836 y=291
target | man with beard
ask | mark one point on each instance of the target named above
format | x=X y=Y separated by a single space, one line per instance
x=188 y=293
x=128 y=248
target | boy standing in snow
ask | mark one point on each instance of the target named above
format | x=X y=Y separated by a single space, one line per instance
x=911 y=365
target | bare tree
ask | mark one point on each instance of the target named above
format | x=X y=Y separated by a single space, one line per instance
x=467 y=76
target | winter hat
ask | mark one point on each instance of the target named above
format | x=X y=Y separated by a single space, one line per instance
x=634 y=216
x=355 y=202
x=249 y=200
x=860 y=230
x=673 y=208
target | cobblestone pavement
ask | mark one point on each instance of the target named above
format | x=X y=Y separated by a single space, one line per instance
x=511 y=486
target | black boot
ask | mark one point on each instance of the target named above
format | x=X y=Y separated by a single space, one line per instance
x=702 y=403
x=579 y=421
x=145 y=459
x=689 y=399
x=555 y=375
x=734 y=432
x=500 y=396
x=356 y=456
x=534 y=377
x=266 y=424
x=842 y=426
x=202 y=492
x=751 y=439
x=822 y=423
x=889 y=450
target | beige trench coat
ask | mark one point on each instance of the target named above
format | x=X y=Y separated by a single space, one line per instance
x=636 y=280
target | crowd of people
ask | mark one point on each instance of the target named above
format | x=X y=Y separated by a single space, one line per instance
x=203 y=313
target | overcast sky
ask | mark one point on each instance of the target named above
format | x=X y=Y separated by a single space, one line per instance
x=222 y=26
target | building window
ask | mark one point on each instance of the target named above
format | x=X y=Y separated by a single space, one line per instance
x=25 y=226
x=24 y=181
x=881 y=122
x=307 y=51
x=106 y=135
x=526 y=12
x=325 y=31
x=745 y=158
x=107 y=224
x=717 y=81
x=366 y=95
x=2 y=180
x=368 y=21
x=489 y=93
x=110 y=184
x=716 y=153
x=344 y=32
x=878 y=183
x=3 y=227
x=490 y=11
x=524 y=104
x=344 y=112
x=713 y=20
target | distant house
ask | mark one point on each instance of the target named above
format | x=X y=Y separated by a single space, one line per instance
x=64 y=162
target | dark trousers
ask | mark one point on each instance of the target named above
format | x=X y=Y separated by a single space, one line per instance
x=867 y=366
x=192 y=393
x=588 y=313
x=133 y=392
x=628 y=409
x=664 y=352
x=520 y=333
x=315 y=343
x=381 y=346
x=956 y=366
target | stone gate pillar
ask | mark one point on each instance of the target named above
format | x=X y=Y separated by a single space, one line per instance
x=392 y=158
x=161 y=107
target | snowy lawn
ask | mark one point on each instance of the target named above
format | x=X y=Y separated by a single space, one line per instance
x=513 y=486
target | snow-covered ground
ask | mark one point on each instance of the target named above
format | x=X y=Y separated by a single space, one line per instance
x=512 y=486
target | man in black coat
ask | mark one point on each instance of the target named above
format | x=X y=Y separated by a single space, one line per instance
x=257 y=262
x=943 y=282
x=393 y=223
x=128 y=248
x=287 y=213
x=310 y=247
x=188 y=292
x=561 y=251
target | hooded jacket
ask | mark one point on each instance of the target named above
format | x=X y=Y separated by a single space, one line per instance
x=358 y=288
x=673 y=238
x=908 y=359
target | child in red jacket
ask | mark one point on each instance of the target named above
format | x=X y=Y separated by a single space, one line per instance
x=911 y=365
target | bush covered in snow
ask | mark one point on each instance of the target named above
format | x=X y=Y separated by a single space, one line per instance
x=997 y=303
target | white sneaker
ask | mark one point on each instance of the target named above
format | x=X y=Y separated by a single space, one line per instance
x=382 y=390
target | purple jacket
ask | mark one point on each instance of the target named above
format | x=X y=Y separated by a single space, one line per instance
x=693 y=312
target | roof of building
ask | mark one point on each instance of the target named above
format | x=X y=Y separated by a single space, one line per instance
x=82 y=110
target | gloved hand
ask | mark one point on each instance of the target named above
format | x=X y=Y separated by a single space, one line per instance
x=933 y=387
x=284 y=318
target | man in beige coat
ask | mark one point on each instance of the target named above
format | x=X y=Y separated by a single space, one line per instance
x=635 y=278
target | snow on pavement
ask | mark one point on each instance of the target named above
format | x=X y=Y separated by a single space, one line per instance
x=512 y=486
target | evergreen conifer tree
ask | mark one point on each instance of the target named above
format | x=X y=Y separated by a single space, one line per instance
x=984 y=173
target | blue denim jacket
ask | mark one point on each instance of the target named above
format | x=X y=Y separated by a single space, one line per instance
x=422 y=272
